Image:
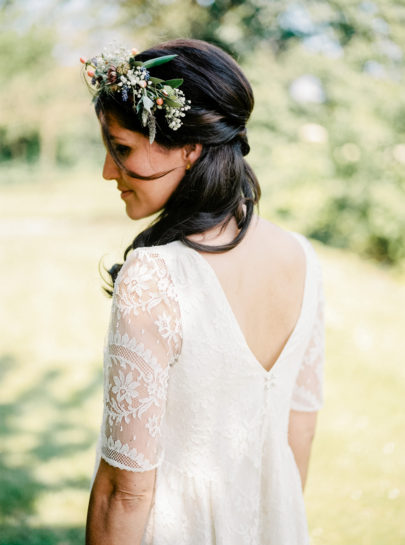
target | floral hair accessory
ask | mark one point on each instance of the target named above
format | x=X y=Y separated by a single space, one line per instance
x=117 y=72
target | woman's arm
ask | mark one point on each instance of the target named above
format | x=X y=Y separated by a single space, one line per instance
x=144 y=340
x=307 y=395
x=301 y=432
x=119 y=506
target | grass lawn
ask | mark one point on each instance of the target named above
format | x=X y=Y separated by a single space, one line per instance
x=54 y=317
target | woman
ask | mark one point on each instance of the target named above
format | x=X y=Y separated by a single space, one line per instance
x=213 y=363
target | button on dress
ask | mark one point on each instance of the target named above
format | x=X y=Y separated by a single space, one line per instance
x=183 y=393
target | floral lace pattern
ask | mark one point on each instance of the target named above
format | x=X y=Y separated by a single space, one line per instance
x=227 y=474
x=308 y=390
x=144 y=341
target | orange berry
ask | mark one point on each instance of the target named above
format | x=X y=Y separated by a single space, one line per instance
x=134 y=51
x=90 y=73
x=83 y=61
x=159 y=101
x=143 y=83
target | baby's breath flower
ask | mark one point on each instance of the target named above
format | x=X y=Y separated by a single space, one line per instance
x=117 y=71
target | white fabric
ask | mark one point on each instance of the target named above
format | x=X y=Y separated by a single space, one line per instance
x=184 y=393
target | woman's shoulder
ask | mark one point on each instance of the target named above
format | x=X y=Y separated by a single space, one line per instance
x=280 y=245
x=152 y=254
x=144 y=265
x=287 y=251
x=160 y=265
x=290 y=254
x=289 y=247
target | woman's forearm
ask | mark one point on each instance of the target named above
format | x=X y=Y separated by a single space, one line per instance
x=302 y=450
x=118 y=511
x=300 y=436
x=116 y=519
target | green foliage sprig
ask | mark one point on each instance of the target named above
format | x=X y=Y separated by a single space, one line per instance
x=118 y=72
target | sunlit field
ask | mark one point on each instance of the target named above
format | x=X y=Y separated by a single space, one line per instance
x=53 y=320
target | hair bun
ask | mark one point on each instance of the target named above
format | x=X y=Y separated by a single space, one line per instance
x=243 y=140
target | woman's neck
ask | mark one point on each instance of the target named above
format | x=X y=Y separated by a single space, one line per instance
x=219 y=235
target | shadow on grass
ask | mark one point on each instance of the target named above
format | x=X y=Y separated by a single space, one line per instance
x=10 y=535
x=19 y=487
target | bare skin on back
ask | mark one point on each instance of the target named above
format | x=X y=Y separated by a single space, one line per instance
x=263 y=279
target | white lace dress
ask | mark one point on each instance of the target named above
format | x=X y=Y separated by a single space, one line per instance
x=184 y=394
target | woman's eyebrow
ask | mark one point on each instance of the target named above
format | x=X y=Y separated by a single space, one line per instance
x=118 y=138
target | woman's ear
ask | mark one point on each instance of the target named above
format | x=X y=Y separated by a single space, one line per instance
x=191 y=153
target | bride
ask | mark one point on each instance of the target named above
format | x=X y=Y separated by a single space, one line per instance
x=214 y=356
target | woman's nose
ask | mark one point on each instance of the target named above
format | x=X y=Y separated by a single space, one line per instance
x=110 y=169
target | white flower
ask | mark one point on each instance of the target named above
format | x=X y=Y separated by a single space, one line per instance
x=153 y=389
x=125 y=388
x=163 y=284
x=167 y=329
x=153 y=425
x=157 y=388
x=137 y=279
x=171 y=292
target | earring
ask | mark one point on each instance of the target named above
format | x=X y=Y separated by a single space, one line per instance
x=188 y=166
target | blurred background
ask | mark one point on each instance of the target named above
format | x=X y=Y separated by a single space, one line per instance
x=328 y=145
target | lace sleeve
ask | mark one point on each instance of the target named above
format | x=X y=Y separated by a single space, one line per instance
x=144 y=339
x=308 y=390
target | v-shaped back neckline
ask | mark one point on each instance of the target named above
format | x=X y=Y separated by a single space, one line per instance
x=238 y=329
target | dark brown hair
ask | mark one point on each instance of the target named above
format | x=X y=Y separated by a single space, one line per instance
x=221 y=184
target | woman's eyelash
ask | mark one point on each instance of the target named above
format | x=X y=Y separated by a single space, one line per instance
x=121 y=150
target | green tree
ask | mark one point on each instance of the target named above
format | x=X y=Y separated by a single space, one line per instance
x=345 y=184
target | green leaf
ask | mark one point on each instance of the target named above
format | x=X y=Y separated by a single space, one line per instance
x=156 y=80
x=159 y=60
x=152 y=128
x=174 y=83
x=172 y=103
x=145 y=117
x=147 y=102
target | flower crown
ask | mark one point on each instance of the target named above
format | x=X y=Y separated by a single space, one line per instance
x=117 y=72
